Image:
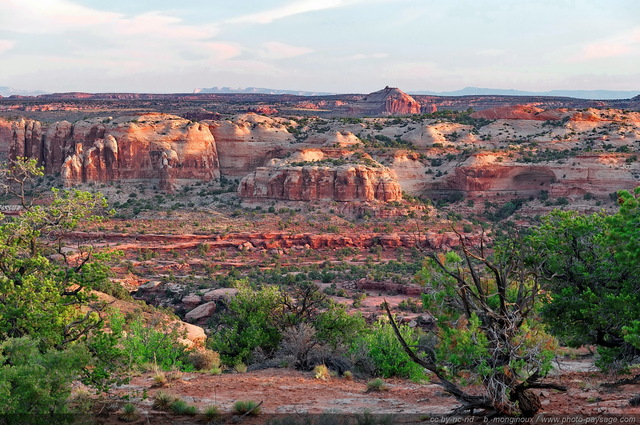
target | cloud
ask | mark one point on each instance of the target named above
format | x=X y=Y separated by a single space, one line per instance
x=6 y=45
x=277 y=50
x=619 y=45
x=41 y=17
x=291 y=9
x=492 y=53
x=363 y=56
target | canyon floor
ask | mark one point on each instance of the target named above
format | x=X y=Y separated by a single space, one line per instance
x=287 y=394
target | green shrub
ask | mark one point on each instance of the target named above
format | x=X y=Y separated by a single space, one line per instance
x=242 y=407
x=249 y=323
x=34 y=382
x=179 y=407
x=386 y=353
x=129 y=413
x=163 y=401
x=377 y=384
x=155 y=342
x=211 y=412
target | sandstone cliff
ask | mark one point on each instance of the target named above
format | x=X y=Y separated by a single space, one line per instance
x=149 y=147
x=322 y=178
x=488 y=175
x=247 y=141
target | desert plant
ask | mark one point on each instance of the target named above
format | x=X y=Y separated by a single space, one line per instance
x=216 y=370
x=163 y=401
x=204 y=359
x=243 y=407
x=348 y=375
x=321 y=372
x=240 y=368
x=129 y=413
x=211 y=412
x=159 y=380
x=377 y=384
x=179 y=406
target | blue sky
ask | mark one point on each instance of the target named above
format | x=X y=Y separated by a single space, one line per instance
x=355 y=46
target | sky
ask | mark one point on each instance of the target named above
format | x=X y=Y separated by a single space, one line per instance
x=338 y=46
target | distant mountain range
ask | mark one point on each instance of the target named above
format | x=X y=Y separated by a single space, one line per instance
x=8 y=91
x=578 y=94
x=260 y=90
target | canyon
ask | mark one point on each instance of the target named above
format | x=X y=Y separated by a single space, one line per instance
x=509 y=151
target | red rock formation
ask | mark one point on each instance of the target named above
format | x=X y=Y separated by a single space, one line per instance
x=388 y=101
x=151 y=147
x=249 y=141
x=596 y=173
x=263 y=110
x=517 y=112
x=313 y=182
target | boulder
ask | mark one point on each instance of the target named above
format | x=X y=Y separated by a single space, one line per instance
x=201 y=313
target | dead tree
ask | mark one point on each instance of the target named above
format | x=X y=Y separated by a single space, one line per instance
x=495 y=291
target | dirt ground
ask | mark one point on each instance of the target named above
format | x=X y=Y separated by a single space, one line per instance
x=285 y=392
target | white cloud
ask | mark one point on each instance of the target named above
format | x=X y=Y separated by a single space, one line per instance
x=6 y=45
x=277 y=50
x=291 y=9
x=41 y=17
x=363 y=56
x=619 y=45
x=492 y=53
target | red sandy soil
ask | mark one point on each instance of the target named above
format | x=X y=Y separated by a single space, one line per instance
x=285 y=391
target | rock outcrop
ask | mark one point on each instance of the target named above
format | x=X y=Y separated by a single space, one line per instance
x=385 y=102
x=248 y=141
x=311 y=175
x=517 y=112
x=158 y=147
x=598 y=174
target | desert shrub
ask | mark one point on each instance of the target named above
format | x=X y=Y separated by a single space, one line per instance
x=250 y=322
x=240 y=368
x=204 y=359
x=179 y=406
x=211 y=412
x=163 y=401
x=321 y=372
x=386 y=353
x=35 y=382
x=377 y=384
x=242 y=407
x=129 y=413
x=156 y=341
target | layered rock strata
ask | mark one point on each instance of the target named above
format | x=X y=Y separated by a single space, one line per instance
x=148 y=147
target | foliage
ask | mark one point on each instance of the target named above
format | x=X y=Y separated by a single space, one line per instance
x=590 y=268
x=204 y=359
x=260 y=319
x=34 y=381
x=250 y=322
x=154 y=342
x=47 y=309
x=485 y=306
x=376 y=385
x=321 y=372
x=242 y=407
x=386 y=352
